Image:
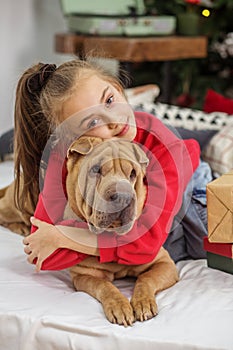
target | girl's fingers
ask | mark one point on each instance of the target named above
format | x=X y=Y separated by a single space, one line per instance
x=38 y=264
x=31 y=257
x=27 y=250
x=34 y=221
x=25 y=241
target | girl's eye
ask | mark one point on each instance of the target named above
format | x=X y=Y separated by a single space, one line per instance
x=93 y=123
x=109 y=101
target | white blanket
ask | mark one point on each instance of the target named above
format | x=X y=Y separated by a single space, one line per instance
x=43 y=311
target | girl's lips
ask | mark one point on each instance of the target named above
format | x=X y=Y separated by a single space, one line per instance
x=124 y=130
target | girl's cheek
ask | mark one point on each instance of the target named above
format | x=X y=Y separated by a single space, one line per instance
x=101 y=131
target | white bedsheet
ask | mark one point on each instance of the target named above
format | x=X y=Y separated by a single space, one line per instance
x=42 y=310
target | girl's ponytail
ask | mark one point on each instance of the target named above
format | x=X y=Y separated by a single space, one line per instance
x=32 y=131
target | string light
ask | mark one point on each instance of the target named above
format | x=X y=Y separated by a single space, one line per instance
x=206 y=13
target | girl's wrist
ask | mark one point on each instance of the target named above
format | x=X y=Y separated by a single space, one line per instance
x=81 y=240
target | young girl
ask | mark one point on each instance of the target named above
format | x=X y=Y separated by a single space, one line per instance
x=47 y=97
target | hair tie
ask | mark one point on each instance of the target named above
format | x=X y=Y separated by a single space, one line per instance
x=39 y=79
x=45 y=73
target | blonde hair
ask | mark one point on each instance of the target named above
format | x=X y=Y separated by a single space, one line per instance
x=40 y=96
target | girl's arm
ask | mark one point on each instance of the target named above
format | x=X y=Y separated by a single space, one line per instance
x=47 y=246
x=48 y=238
x=168 y=176
x=172 y=163
x=177 y=162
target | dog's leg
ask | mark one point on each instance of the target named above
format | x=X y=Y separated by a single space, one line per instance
x=161 y=275
x=117 y=308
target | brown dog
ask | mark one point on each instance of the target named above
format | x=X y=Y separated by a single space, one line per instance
x=105 y=183
x=10 y=216
x=105 y=188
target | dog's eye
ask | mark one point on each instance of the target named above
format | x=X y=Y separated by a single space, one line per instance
x=95 y=170
x=132 y=175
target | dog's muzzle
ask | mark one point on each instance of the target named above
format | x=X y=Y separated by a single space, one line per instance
x=116 y=211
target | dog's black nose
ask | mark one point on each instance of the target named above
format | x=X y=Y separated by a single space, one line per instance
x=121 y=198
x=119 y=193
x=113 y=197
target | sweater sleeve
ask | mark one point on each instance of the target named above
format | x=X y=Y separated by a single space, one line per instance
x=172 y=163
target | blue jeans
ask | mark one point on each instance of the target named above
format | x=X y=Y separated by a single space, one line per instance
x=185 y=240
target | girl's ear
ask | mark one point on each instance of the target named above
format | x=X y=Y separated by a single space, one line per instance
x=83 y=145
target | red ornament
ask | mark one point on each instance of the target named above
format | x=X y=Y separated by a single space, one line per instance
x=193 y=2
x=185 y=100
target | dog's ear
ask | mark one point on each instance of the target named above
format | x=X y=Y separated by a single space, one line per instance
x=140 y=155
x=83 y=145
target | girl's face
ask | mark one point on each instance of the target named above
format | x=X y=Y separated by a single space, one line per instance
x=99 y=109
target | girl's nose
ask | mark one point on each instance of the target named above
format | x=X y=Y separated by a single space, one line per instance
x=112 y=126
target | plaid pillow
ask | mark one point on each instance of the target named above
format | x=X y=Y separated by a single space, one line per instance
x=186 y=117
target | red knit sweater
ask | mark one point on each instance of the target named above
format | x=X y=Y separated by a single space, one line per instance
x=172 y=163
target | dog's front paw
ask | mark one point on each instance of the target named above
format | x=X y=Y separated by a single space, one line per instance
x=144 y=307
x=119 y=311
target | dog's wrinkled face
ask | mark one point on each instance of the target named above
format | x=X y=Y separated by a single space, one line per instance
x=105 y=184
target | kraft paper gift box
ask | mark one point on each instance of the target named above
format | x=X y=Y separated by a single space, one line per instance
x=220 y=209
x=219 y=255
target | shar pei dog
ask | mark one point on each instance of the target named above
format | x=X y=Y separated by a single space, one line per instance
x=106 y=188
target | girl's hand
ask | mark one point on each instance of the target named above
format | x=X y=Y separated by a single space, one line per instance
x=42 y=243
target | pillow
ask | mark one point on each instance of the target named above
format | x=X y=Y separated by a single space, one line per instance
x=219 y=151
x=185 y=117
x=201 y=136
x=215 y=102
x=144 y=93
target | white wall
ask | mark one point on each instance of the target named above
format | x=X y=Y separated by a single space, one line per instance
x=27 y=29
